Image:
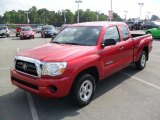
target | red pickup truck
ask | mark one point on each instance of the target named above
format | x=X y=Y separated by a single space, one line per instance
x=78 y=57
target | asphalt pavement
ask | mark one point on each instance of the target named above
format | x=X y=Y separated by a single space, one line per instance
x=127 y=95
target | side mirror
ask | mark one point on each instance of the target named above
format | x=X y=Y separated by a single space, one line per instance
x=108 y=42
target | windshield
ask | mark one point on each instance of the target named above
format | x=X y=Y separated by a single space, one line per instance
x=26 y=29
x=48 y=28
x=78 y=35
x=3 y=27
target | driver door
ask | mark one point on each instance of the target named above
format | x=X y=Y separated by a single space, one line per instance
x=111 y=55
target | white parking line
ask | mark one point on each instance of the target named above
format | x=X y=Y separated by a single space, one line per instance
x=18 y=50
x=32 y=107
x=138 y=79
x=154 y=55
x=4 y=68
x=155 y=51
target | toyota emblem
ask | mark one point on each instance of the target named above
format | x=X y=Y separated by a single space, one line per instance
x=24 y=67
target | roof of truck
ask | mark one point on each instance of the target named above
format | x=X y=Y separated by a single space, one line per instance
x=98 y=23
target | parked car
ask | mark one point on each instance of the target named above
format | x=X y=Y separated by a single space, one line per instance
x=4 y=31
x=155 y=32
x=130 y=25
x=39 y=29
x=26 y=32
x=80 y=56
x=150 y=25
x=139 y=25
x=48 y=31
x=18 y=30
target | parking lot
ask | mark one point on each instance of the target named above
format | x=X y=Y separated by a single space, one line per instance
x=126 y=95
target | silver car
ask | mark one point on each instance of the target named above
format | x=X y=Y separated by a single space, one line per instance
x=4 y=31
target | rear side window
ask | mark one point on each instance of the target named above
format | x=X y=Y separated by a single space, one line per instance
x=125 y=33
x=112 y=33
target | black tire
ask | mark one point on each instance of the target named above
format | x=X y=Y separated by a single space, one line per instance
x=77 y=89
x=148 y=32
x=16 y=35
x=141 y=63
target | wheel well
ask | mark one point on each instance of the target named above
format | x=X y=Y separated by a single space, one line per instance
x=146 y=50
x=92 y=70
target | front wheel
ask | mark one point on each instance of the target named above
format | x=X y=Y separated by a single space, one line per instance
x=141 y=63
x=83 y=89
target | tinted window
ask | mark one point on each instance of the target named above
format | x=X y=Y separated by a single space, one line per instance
x=112 y=33
x=125 y=32
x=26 y=29
x=48 y=28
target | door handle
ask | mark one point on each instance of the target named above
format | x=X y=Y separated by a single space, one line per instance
x=121 y=48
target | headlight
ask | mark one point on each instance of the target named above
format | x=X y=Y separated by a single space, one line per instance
x=53 y=69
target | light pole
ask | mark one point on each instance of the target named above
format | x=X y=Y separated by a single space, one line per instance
x=148 y=13
x=98 y=15
x=125 y=14
x=111 y=12
x=140 y=4
x=64 y=15
x=78 y=1
x=27 y=12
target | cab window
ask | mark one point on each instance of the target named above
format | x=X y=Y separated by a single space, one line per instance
x=112 y=33
x=125 y=33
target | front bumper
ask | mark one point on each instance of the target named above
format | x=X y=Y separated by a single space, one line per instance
x=48 y=34
x=3 y=34
x=42 y=87
x=26 y=36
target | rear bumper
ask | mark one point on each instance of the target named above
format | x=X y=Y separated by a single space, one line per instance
x=42 y=87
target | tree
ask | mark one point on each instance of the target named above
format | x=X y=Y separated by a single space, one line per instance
x=116 y=17
x=44 y=16
x=154 y=18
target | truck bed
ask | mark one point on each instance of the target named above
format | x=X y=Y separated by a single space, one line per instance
x=137 y=33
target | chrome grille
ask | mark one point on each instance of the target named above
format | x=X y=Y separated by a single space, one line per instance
x=26 y=67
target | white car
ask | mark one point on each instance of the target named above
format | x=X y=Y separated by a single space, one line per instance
x=4 y=31
x=39 y=29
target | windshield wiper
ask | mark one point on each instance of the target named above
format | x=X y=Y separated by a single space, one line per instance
x=56 y=42
x=72 y=43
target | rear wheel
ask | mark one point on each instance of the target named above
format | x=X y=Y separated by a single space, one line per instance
x=83 y=89
x=141 y=63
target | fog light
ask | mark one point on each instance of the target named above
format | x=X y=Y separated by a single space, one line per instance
x=53 y=89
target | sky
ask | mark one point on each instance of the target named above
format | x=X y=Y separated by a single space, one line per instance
x=103 y=6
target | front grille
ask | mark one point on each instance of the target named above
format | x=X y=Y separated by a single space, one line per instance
x=26 y=67
x=25 y=83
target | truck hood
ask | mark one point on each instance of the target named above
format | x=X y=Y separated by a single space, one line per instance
x=52 y=52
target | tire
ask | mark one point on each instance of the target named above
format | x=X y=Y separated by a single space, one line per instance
x=148 y=32
x=16 y=35
x=141 y=63
x=83 y=89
